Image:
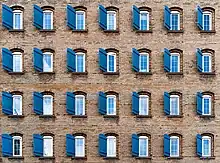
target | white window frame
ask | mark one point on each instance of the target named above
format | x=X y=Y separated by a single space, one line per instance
x=175 y=12
x=47 y=137
x=210 y=146
x=51 y=104
x=210 y=19
x=148 y=20
x=144 y=54
x=144 y=96
x=178 y=55
x=210 y=104
x=48 y=53
x=111 y=54
x=77 y=54
x=210 y=61
x=84 y=18
x=21 y=63
x=147 y=148
x=51 y=23
x=178 y=146
x=21 y=18
x=20 y=139
x=115 y=103
x=20 y=104
x=77 y=96
x=178 y=104
x=83 y=154
x=115 y=146
x=111 y=12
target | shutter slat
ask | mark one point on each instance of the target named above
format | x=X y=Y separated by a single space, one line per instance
x=7 y=17
x=102 y=145
x=70 y=103
x=102 y=103
x=167 y=14
x=38 y=103
x=7 y=103
x=166 y=144
x=38 y=145
x=166 y=103
x=199 y=60
x=135 y=60
x=199 y=18
x=38 y=59
x=7 y=145
x=199 y=145
x=71 y=17
x=136 y=17
x=102 y=17
x=38 y=17
x=166 y=57
x=102 y=60
x=199 y=103
x=135 y=103
x=71 y=60
x=7 y=60
x=70 y=145
x=135 y=145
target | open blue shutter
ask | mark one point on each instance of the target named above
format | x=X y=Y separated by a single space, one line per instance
x=7 y=60
x=70 y=103
x=135 y=103
x=7 y=103
x=136 y=17
x=38 y=60
x=70 y=145
x=102 y=145
x=7 y=145
x=71 y=17
x=102 y=103
x=166 y=58
x=199 y=60
x=71 y=60
x=37 y=145
x=199 y=103
x=135 y=60
x=167 y=14
x=38 y=17
x=38 y=103
x=166 y=145
x=7 y=17
x=199 y=145
x=102 y=17
x=166 y=103
x=102 y=59
x=135 y=145
x=199 y=18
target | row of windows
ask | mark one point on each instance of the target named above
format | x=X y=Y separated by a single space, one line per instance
x=107 y=147
x=76 y=60
x=107 y=103
x=108 y=18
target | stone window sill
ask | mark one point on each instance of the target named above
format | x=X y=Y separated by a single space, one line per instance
x=46 y=73
x=80 y=31
x=111 y=158
x=47 y=30
x=79 y=73
x=207 y=116
x=175 y=158
x=111 y=31
x=144 y=158
x=16 y=30
x=175 y=73
x=207 y=73
x=47 y=158
x=16 y=158
x=79 y=116
x=144 y=31
x=79 y=158
x=111 y=116
x=175 y=31
x=174 y=116
x=16 y=73
x=207 y=158
x=111 y=73
x=16 y=116
x=144 y=116
x=144 y=73
x=47 y=116
x=211 y=31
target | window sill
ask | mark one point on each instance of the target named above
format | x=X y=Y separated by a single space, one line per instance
x=175 y=158
x=111 y=31
x=207 y=116
x=175 y=31
x=174 y=116
x=80 y=31
x=111 y=73
x=144 y=116
x=175 y=73
x=79 y=73
x=16 y=158
x=47 y=116
x=211 y=31
x=79 y=116
x=16 y=116
x=111 y=116
x=16 y=73
x=16 y=30
x=46 y=72
x=144 y=73
x=47 y=158
x=47 y=30
x=207 y=158
x=79 y=158
x=208 y=73
x=144 y=31
x=144 y=158
x=111 y=158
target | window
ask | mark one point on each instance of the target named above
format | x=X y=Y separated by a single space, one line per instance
x=174 y=146
x=48 y=146
x=17 y=145
x=80 y=20
x=111 y=146
x=111 y=20
x=144 y=62
x=47 y=62
x=144 y=20
x=206 y=146
x=206 y=104
x=47 y=104
x=80 y=105
x=143 y=105
x=80 y=62
x=206 y=62
x=79 y=146
x=175 y=62
x=207 y=21
x=17 y=104
x=17 y=62
x=111 y=105
x=111 y=62
x=47 y=19
x=174 y=105
x=17 y=19
x=175 y=20
x=143 y=146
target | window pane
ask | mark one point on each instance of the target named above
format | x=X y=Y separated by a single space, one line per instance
x=17 y=63
x=143 y=104
x=207 y=22
x=174 y=147
x=206 y=147
x=111 y=21
x=174 y=63
x=79 y=147
x=111 y=63
x=47 y=62
x=206 y=63
x=143 y=63
x=175 y=21
x=143 y=148
x=17 y=105
x=47 y=106
x=80 y=63
x=174 y=104
x=111 y=147
x=143 y=21
x=17 y=147
x=48 y=147
x=47 y=20
x=111 y=105
x=17 y=20
x=79 y=106
x=206 y=105
x=80 y=20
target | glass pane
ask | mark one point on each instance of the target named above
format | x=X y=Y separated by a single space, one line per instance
x=47 y=20
x=206 y=147
x=47 y=62
x=80 y=20
x=17 y=147
x=17 y=20
x=48 y=146
x=17 y=110
x=143 y=21
x=206 y=22
x=111 y=21
x=143 y=147
x=79 y=145
x=206 y=62
x=174 y=146
x=206 y=105
x=17 y=63
x=143 y=106
x=79 y=106
x=174 y=106
x=111 y=62
x=80 y=63
x=111 y=147
x=47 y=106
x=143 y=63
x=111 y=105
x=175 y=64
x=175 y=22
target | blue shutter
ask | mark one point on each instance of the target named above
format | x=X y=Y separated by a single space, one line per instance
x=166 y=103
x=71 y=17
x=102 y=103
x=167 y=14
x=7 y=145
x=7 y=103
x=38 y=60
x=199 y=60
x=136 y=17
x=135 y=103
x=7 y=60
x=70 y=145
x=135 y=145
x=38 y=103
x=102 y=17
x=199 y=18
x=38 y=17
x=135 y=60
x=102 y=59
x=37 y=145
x=166 y=58
x=166 y=145
x=199 y=103
x=7 y=17
x=199 y=145
x=102 y=145
x=70 y=103
x=71 y=60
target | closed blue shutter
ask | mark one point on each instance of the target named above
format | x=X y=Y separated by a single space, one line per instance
x=71 y=60
x=199 y=18
x=102 y=17
x=38 y=17
x=199 y=145
x=199 y=60
x=7 y=145
x=135 y=103
x=166 y=103
x=102 y=103
x=166 y=145
x=7 y=103
x=7 y=60
x=167 y=14
x=135 y=145
x=71 y=17
x=136 y=17
x=135 y=60
x=70 y=103
x=37 y=145
x=7 y=17
x=102 y=59
x=166 y=57
x=38 y=59
x=199 y=103
x=38 y=103
x=70 y=145
x=102 y=145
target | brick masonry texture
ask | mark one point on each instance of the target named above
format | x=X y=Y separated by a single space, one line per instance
x=124 y=84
